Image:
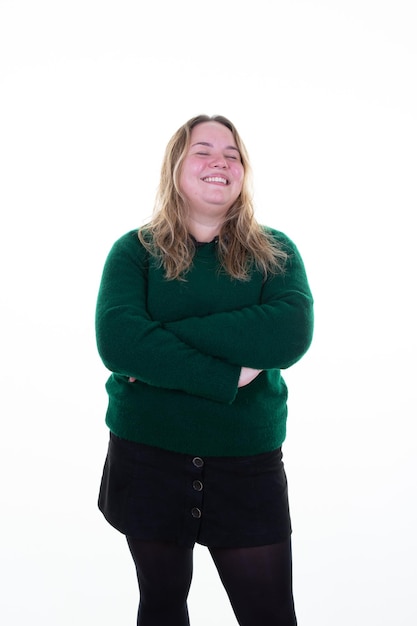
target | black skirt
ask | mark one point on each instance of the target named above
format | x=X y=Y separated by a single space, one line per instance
x=158 y=495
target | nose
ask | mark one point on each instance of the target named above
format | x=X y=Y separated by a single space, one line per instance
x=219 y=161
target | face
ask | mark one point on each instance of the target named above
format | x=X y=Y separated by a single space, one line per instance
x=212 y=172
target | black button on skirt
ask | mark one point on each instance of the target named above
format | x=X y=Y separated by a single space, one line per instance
x=158 y=495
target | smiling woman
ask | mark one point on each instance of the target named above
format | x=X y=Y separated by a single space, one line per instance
x=187 y=205
x=197 y=314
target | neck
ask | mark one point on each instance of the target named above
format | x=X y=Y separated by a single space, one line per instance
x=203 y=232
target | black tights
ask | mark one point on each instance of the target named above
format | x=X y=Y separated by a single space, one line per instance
x=258 y=582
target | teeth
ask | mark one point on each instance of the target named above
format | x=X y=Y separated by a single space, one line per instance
x=215 y=179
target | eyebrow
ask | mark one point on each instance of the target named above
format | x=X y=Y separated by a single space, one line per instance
x=210 y=145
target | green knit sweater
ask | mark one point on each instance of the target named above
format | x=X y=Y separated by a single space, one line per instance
x=185 y=343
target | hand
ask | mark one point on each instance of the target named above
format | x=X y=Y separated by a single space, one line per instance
x=247 y=375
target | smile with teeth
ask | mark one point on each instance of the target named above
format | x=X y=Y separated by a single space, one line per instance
x=215 y=179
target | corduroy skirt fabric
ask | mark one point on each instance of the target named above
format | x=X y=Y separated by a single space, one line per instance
x=158 y=495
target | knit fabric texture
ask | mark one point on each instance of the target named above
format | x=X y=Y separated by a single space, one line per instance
x=184 y=343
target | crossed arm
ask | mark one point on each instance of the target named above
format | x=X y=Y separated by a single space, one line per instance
x=134 y=345
x=209 y=356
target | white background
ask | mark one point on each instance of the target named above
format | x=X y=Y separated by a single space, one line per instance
x=324 y=95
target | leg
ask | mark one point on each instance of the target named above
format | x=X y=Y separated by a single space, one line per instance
x=258 y=582
x=164 y=572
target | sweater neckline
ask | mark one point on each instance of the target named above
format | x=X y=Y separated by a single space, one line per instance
x=200 y=244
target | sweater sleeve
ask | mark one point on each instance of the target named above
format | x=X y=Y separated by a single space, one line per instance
x=275 y=333
x=130 y=343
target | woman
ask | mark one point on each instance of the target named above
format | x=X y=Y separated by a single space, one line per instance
x=197 y=314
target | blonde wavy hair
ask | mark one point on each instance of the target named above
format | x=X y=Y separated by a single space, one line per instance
x=242 y=243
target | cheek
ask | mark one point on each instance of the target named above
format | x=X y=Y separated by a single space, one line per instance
x=189 y=173
x=238 y=173
x=239 y=176
x=188 y=185
x=184 y=177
